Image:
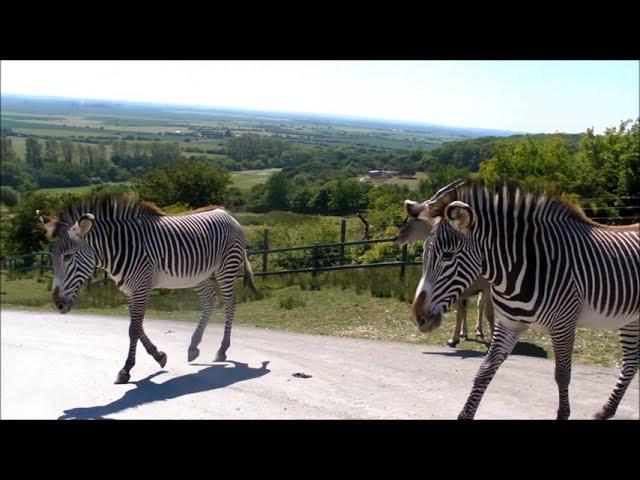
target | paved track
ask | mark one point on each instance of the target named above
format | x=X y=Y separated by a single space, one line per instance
x=56 y=366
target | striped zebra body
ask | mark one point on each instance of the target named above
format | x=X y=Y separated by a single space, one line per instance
x=547 y=264
x=143 y=249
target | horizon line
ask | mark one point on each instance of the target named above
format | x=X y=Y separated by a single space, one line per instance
x=276 y=112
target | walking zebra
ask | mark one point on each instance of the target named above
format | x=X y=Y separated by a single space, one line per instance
x=548 y=264
x=141 y=248
x=414 y=229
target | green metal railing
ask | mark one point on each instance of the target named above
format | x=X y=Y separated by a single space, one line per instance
x=317 y=261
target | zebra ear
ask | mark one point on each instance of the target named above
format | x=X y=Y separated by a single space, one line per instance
x=417 y=210
x=413 y=230
x=83 y=225
x=48 y=223
x=460 y=215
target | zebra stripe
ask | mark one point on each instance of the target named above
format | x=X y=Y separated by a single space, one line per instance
x=141 y=249
x=548 y=264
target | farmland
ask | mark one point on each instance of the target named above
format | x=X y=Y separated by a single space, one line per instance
x=207 y=128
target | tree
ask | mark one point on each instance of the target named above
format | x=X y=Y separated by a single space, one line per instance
x=33 y=153
x=439 y=175
x=277 y=192
x=6 y=150
x=13 y=173
x=67 y=152
x=8 y=196
x=407 y=166
x=25 y=233
x=192 y=181
x=345 y=197
x=52 y=150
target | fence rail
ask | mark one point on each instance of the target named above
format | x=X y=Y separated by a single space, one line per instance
x=318 y=260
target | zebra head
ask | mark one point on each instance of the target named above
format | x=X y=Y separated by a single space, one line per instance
x=413 y=228
x=73 y=258
x=451 y=263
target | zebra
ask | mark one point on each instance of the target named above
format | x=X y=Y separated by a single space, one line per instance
x=141 y=249
x=547 y=263
x=414 y=229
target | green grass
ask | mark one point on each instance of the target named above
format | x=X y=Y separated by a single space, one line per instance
x=75 y=190
x=412 y=182
x=289 y=228
x=305 y=305
x=246 y=179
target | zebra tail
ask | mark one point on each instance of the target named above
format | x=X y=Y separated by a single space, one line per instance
x=248 y=276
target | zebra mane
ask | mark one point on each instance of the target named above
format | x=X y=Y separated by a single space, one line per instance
x=474 y=186
x=108 y=205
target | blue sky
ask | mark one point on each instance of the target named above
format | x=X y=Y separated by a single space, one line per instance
x=531 y=96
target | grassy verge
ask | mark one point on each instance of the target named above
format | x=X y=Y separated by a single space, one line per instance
x=338 y=304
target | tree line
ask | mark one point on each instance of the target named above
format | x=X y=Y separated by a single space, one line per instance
x=599 y=171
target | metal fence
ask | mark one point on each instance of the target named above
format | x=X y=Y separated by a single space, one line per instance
x=319 y=257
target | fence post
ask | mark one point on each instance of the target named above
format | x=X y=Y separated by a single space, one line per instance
x=315 y=259
x=343 y=234
x=265 y=250
x=403 y=265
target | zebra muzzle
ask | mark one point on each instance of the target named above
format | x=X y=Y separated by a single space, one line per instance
x=425 y=322
x=59 y=302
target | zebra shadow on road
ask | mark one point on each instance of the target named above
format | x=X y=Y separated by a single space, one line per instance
x=522 y=348
x=210 y=378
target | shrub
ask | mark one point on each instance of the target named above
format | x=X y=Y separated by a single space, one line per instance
x=8 y=196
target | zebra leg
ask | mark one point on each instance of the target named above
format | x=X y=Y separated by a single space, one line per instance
x=455 y=339
x=152 y=350
x=481 y=304
x=630 y=342
x=504 y=339
x=138 y=304
x=463 y=310
x=207 y=295
x=562 y=342
x=227 y=282
x=489 y=311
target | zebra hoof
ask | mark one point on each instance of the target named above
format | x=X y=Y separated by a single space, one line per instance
x=452 y=343
x=479 y=334
x=220 y=357
x=122 y=378
x=192 y=354
x=603 y=415
x=161 y=358
x=463 y=337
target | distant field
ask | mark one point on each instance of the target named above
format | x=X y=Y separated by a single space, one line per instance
x=246 y=179
x=75 y=190
x=411 y=182
x=41 y=117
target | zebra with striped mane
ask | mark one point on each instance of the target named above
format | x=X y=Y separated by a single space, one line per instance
x=141 y=249
x=547 y=263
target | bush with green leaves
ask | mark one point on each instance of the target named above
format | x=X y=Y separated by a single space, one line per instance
x=194 y=181
x=24 y=233
x=8 y=196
